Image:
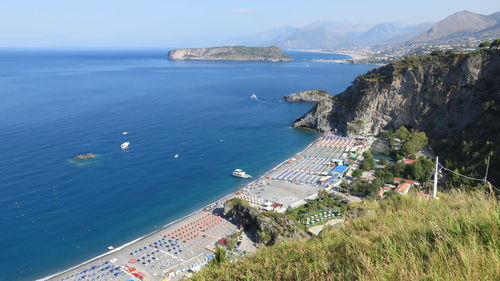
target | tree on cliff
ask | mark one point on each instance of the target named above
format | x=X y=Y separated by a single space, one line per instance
x=416 y=141
x=402 y=133
x=484 y=44
x=495 y=44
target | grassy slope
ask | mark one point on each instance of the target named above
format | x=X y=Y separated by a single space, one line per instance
x=455 y=238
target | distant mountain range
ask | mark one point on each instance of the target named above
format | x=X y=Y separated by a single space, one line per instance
x=460 y=25
x=331 y=35
x=324 y=35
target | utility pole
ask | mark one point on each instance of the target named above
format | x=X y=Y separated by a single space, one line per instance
x=486 y=177
x=487 y=168
x=435 y=188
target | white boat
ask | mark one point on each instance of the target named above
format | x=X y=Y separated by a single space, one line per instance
x=253 y=96
x=176 y=156
x=125 y=145
x=125 y=133
x=241 y=174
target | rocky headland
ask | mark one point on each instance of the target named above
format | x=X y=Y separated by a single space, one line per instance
x=235 y=53
x=453 y=97
x=439 y=94
x=269 y=227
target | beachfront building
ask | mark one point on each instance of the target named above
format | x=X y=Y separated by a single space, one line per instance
x=339 y=171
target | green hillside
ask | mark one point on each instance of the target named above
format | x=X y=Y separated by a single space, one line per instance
x=402 y=238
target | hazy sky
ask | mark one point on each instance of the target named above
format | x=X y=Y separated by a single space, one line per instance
x=165 y=23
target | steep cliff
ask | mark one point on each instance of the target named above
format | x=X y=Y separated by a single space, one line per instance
x=436 y=93
x=239 y=53
x=269 y=227
x=454 y=98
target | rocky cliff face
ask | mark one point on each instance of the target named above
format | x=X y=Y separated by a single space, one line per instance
x=272 y=54
x=270 y=227
x=434 y=93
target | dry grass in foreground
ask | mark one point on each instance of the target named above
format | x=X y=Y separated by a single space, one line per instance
x=455 y=238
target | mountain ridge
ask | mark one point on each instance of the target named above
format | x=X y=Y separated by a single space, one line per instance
x=459 y=24
x=334 y=35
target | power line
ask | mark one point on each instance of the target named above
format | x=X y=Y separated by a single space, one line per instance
x=458 y=174
x=484 y=180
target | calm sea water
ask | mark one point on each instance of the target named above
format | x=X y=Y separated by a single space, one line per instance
x=55 y=104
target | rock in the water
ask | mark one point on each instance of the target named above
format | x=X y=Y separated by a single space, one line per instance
x=85 y=156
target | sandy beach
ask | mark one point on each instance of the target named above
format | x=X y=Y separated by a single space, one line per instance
x=354 y=54
x=185 y=245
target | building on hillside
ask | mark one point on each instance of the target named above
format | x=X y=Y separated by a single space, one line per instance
x=384 y=189
x=368 y=175
x=408 y=161
x=401 y=180
x=403 y=188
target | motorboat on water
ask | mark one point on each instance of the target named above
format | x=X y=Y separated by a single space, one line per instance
x=253 y=96
x=241 y=174
x=125 y=145
x=125 y=133
x=176 y=156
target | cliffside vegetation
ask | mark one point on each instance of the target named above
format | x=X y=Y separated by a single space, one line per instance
x=268 y=228
x=453 y=97
x=401 y=238
x=467 y=150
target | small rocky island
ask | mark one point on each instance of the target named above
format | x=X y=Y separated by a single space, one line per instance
x=85 y=156
x=234 y=53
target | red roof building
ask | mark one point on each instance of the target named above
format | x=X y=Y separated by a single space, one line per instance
x=222 y=242
x=400 y=180
x=409 y=161
x=403 y=188
x=276 y=205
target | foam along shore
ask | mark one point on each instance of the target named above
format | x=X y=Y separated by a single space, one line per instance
x=186 y=245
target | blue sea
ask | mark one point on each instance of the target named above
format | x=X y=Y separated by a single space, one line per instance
x=54 y=104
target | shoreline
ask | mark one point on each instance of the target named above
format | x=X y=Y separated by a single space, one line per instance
x=354 y=55
x=184 y=218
